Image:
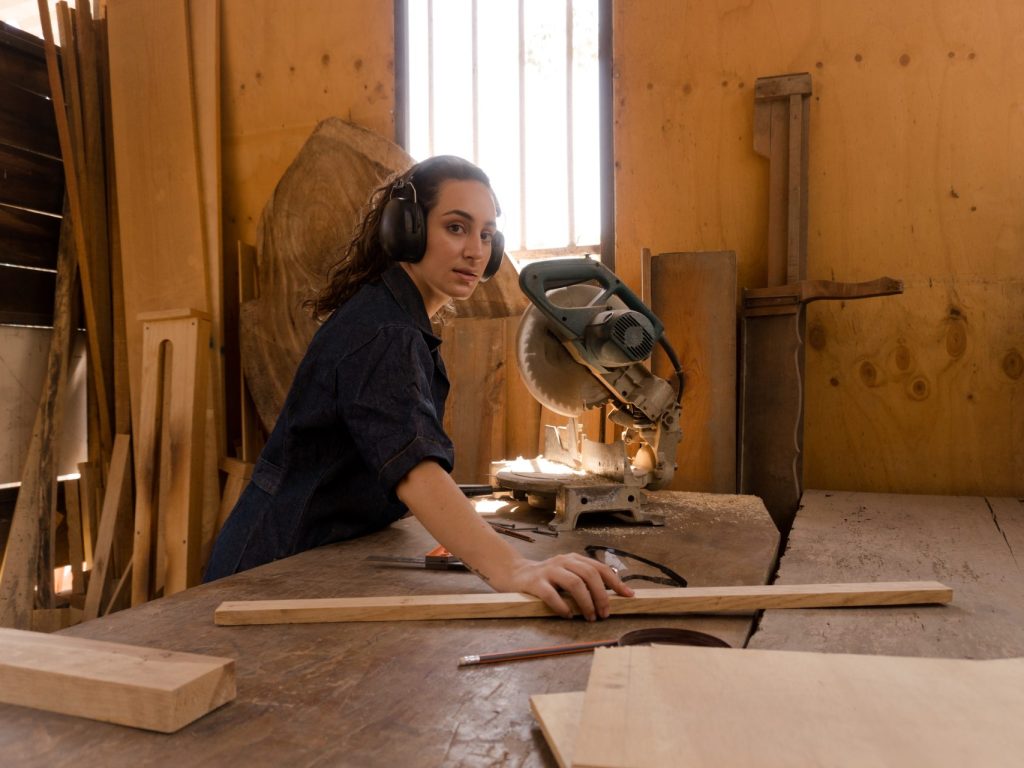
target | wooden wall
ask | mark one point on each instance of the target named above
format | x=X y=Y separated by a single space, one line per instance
x=916 y=172
x=285 y=67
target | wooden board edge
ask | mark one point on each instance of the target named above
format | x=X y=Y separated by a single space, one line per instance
x=739 y=599
x=558 y=715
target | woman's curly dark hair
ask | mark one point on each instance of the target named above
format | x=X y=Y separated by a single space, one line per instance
x=365 y=259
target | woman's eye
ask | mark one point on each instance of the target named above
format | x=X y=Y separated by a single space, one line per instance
x=456 y=228
x=487 y=236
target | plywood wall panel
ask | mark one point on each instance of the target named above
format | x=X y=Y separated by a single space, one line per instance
x=916 y=134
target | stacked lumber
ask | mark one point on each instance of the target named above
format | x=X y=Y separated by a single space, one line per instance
x=140 y=250
x=84 y=274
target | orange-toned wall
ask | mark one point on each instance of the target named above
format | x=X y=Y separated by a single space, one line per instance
x=916 y=172
x=285 y=67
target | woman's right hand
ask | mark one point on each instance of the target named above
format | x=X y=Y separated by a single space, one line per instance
x=582 y=578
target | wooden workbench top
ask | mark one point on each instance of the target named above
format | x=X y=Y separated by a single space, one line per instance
x=371 y=694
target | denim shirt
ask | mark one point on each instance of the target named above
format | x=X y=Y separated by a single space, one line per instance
x=365 y=407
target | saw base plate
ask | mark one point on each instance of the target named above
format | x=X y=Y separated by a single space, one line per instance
x=572 y=494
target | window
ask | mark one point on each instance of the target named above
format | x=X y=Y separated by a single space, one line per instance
x=514 y=86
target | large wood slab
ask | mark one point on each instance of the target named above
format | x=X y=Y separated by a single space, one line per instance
x=672 y=706
x=125 y=684
x=973 y=544
x=503 y=605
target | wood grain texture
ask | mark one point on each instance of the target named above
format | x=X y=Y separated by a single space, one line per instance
x=162 y=244
x=558 y=715
x=694 y=295
x=303 y=230
x=26 y=571
x=116 y=504
x=170 y=455
x=141 y=687
x=973 y=544
x=645 y=602
x=670 y=706
x=911 y=175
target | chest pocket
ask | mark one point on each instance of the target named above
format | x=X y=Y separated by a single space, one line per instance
x=267 y=476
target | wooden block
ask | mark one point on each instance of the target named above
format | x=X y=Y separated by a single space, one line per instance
x=558 y=715
x=694 y=295
x=129 y=685
x=672 y=706
x=647 y=601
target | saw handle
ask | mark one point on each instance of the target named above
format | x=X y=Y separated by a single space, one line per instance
x=539 y=277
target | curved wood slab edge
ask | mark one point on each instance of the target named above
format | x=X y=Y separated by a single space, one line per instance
x=647 y=601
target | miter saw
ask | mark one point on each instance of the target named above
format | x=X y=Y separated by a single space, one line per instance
x=582 y=344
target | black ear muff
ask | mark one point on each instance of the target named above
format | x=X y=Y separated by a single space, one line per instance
x=494 y=262
x=403 y=233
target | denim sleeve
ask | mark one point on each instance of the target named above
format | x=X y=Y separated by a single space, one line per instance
x=388 y=403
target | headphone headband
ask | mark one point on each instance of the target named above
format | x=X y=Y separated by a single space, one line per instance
x=403 y=231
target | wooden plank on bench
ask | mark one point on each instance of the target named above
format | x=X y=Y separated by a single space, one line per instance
x=142 y=687
x=500 y=605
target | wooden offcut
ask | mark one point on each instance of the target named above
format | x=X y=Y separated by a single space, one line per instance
x=130 y=685
x=766 y=709
x=645 y=602
x=170 y=456
x=694 y=295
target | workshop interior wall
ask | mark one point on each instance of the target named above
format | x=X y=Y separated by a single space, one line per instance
x=286 y=67
x=916 y=172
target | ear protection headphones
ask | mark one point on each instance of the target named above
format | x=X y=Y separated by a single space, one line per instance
x=403 y=229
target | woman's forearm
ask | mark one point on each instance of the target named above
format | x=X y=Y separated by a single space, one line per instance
x=436 y=501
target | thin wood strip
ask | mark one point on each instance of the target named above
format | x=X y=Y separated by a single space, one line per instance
x=646 y=602
x=76 y=548
x=147 y=688
x=114 y=501
x=75 y=201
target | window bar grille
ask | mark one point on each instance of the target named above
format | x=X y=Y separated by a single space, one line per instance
x=522 y=127
x=476 y=86
x=430 y=76
x=569 y=154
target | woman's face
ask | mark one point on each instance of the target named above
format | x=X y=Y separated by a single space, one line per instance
x=459 y=231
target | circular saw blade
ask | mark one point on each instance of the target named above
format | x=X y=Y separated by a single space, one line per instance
x=551 y=374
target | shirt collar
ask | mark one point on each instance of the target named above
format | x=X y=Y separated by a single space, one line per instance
x=409 y=298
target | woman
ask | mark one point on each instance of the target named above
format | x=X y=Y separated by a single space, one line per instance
x=359 y=441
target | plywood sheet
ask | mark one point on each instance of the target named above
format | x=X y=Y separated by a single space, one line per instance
x=142 y=687
x=672 y=706
x=155 y=145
